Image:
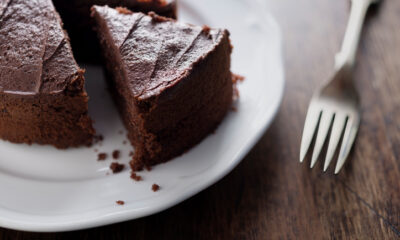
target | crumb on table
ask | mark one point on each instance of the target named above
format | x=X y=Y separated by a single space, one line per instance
x=120 y=202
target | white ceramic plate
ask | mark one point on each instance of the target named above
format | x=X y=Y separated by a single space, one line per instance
x=44 y=189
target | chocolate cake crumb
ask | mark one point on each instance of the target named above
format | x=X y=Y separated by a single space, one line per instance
x=98 y=138
x=120 y=202
x=235 y=80
x=136 y=177
x=206 y=31
x=230 y=44
x=130 y=154
x=159 y=2
x=116 y=167
x=116 y=154
x=155 y=187
x=236 y=93
x=102 y=156
x=157 y=18
x=123 y=10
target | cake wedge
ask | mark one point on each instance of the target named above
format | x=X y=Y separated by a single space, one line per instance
x=42 y=95
x=76 y=17
x=171 y=81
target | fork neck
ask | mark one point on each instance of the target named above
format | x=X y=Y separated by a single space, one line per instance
x=347 y=56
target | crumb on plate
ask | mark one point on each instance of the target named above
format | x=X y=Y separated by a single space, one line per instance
x=136 y=177
x=102 y=156
x=155 y=187
x=116 y=167
x=116 y=154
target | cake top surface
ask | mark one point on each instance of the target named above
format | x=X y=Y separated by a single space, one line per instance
x=35 y=55
x=156 y=52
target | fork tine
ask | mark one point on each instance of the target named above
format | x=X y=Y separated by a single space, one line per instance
x=348 y=139
x=324 y=125
x=310 y=125
x=337 y=130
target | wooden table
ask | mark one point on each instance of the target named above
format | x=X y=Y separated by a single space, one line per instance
x=270 y=195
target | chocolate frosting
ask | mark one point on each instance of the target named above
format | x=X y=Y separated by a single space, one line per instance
x=157 y=51
x=35 y=55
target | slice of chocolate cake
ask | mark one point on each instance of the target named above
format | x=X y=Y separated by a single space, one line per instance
x=171 y=81
x=42 y=95
x=76 y=17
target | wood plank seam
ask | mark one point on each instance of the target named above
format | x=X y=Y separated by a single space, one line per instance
x=386 y=221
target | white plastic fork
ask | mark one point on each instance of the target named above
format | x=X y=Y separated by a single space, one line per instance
x=336 y=105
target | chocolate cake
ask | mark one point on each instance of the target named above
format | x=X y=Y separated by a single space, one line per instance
x=171 y=81
x=42 y=95
x=76 y=17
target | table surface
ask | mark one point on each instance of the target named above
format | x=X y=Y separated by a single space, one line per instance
x=270 y=194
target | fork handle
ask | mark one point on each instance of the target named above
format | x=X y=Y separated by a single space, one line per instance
x=347 y=55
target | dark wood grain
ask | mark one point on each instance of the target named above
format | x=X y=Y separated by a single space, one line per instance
x=272 y=196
